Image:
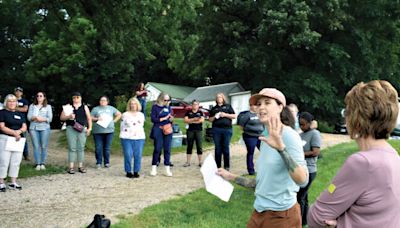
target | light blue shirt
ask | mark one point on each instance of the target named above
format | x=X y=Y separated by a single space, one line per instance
x=275 y=189
x=44 y=112
x=103 y=110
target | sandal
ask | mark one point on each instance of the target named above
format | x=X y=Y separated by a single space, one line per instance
x=186 y=164
x=71 y=171
x=82 y=170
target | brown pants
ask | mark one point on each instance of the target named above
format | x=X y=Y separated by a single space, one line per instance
x=290 y=218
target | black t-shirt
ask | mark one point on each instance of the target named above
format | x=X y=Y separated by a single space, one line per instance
x=222 y=122
x=12 y=120
x=194 y=126
x=22 y=102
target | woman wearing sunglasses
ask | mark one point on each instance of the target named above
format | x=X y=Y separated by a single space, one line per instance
x=40 y=115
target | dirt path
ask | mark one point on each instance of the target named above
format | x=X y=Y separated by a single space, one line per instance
x=65 y=200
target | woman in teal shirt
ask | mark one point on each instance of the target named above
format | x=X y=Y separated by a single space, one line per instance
x=102 y=134
x=280 y=169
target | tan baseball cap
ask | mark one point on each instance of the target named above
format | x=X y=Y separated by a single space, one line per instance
x=268 y=92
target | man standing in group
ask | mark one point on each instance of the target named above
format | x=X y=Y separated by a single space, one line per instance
x=22 y=106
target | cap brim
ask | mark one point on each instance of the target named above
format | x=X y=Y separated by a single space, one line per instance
x=253 y=99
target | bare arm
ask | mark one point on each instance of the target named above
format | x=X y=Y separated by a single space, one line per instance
x=229 y=116
x=117 y=116
x=243 y=181
x=89 y=118
x=313 y=152
x=22 y=109
x=299 y=174
x=15 y=133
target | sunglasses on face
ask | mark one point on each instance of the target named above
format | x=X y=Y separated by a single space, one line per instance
x=39 y=96
x=166 y=100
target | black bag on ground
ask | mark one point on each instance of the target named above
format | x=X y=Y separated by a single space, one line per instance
x=100 y=221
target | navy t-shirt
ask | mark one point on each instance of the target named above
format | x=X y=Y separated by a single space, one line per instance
x=222 y=122
x=12 y=120
x=194 y=126
x=22 y=102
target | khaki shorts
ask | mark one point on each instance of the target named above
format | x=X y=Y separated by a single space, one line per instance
x=290 y=218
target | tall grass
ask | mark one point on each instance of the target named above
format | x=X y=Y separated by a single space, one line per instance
x=201 y=209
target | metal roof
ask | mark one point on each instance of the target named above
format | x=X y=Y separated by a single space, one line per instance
x=208 y=93
x=175 y=91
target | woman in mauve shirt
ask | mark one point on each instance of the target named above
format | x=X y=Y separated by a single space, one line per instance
x=366 y=190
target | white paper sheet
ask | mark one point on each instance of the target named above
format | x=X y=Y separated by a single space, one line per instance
x=215 y=184
x=13 y=145
x=105 y=120
x=67 y=109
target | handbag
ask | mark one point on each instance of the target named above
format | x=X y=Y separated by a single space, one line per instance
x=78 y=127
x=167 y=129
x=100 y=221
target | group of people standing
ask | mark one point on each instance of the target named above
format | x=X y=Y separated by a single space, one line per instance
x=364 y=192
x=13 y=123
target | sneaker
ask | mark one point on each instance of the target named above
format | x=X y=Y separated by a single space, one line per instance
x=129 y=175
x=14 y=186
x=3 y=188
x=186 y=164
x=107 y=165
x=42 y=167
x=98 y=166
x=136 y=175
x=37 y=167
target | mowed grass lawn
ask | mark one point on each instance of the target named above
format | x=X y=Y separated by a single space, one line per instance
x=201 y=209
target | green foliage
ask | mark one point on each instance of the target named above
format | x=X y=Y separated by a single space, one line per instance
x=314 y=51
x=325 y=127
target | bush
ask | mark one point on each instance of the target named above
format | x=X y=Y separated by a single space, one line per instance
x=120 y=103
x=325 y=127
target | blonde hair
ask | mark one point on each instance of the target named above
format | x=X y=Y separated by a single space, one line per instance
x=128 y=105
x=160 y=98
x=9 y=97
x=371 y=109
x=223 y=97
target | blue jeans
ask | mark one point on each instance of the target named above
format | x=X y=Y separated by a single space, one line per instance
x=251 y=143
x=40 y=141
x=103 y=146
x=161 y=141
x=222 y=138
x=143 y=104
x=132 y=148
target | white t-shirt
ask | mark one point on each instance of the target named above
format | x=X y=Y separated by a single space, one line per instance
x=132 y=126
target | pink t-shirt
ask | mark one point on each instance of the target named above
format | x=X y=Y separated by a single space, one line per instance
x=364 y=193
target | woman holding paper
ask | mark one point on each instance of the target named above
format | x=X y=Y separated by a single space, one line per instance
x=79 y=126
x=280 y=169
x=104 y=116
x=132 y=137
x=12 y=127
x=40 y=115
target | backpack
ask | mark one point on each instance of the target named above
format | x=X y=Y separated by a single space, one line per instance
x=100 y=221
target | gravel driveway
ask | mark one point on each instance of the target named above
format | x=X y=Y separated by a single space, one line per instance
x=65 y=200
